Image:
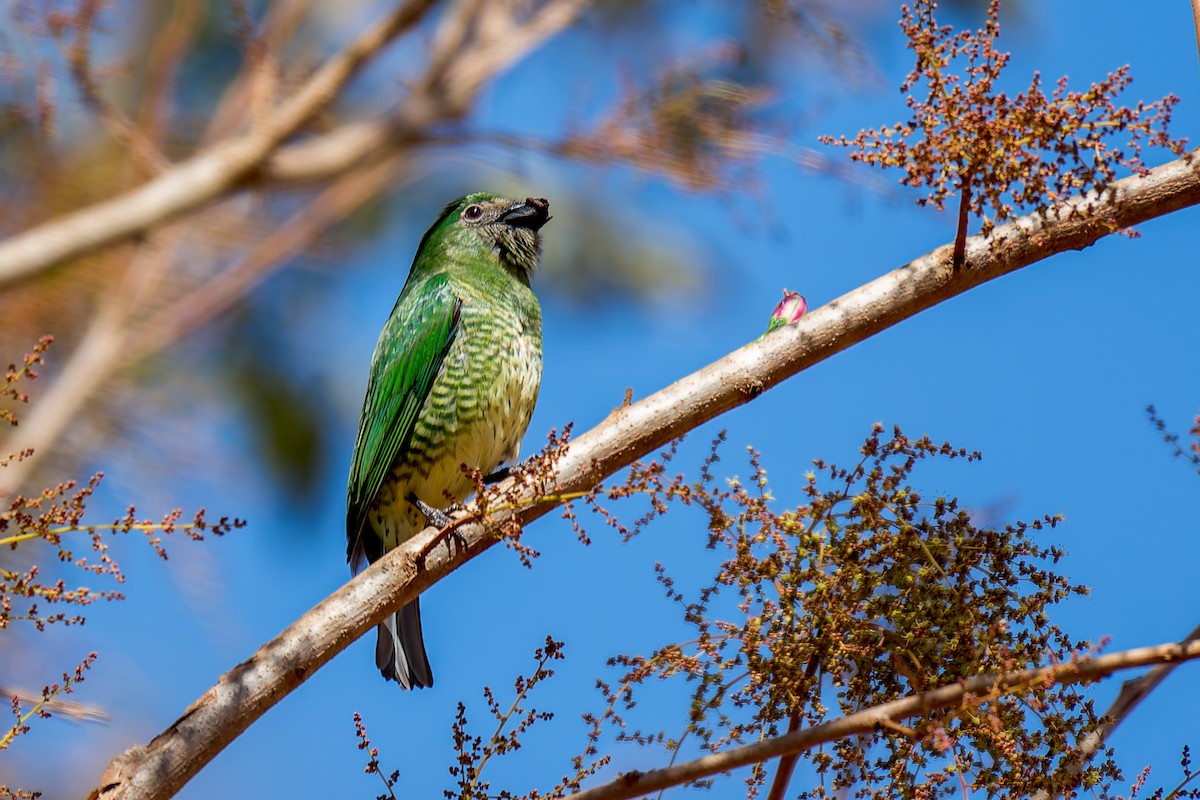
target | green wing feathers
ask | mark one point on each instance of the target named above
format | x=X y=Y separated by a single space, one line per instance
x=407 y=360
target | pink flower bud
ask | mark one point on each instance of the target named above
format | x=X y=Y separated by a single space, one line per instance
x=790 y=309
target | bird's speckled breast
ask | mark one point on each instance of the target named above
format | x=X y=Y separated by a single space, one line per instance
x=477 y=411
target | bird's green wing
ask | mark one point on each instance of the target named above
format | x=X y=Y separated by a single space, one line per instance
x=410 y=353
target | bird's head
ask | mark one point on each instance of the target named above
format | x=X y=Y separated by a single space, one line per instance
x=487 y=227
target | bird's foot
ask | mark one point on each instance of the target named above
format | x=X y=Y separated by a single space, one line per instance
x=434 y=516
x=439 y=519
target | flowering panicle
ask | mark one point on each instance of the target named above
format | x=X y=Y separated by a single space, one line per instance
x=867 y=592
x=1000 y=154
x=41 y=709
x=53 y=521
x=473 y=752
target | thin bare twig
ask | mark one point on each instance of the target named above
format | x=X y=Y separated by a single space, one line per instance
x=245 y=693
x=280 y=23
x=166 y=52
x=787 y=763
x=1196 y=20
x=503 y=42
x=146 y=155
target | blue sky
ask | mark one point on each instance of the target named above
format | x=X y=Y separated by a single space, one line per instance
x=1047 y=372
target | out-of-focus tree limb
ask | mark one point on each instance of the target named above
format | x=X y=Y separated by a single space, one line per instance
x=207 y=176
x=259 y=157
x=1196 y=19
x=321 y=156
x=66 y=709
x=115 y=341
x=245 y=693
x=359 y=160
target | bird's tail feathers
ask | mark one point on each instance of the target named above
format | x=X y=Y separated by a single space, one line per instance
x=356 y=555
x=400 y=649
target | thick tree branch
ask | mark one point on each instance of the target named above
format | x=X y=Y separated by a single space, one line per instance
x=639 y=784
x=246 y=692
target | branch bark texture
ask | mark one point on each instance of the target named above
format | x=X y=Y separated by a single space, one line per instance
x=243 y=694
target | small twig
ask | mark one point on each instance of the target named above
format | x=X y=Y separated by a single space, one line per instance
x=489 y=750
x=962 y=775
x=1179 y=787
x=451 y=37
x=1196 y=20
x=898 y=728
x=78 y=56
x=959 y=259
x=279 y=25
x=262 y=66
x=1191 y=455
x=42 y=705
x=167 y=50
x=505 y=46
x=364 y=743
x=787 y=763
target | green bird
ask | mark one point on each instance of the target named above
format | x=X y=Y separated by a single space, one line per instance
x=453 y=381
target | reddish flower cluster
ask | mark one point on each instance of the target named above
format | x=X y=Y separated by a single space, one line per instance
x=1002 y=154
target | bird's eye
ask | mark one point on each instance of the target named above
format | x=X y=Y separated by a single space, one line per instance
x=472 y=213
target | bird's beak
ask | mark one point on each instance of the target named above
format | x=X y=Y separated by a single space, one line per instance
x=532 y=214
